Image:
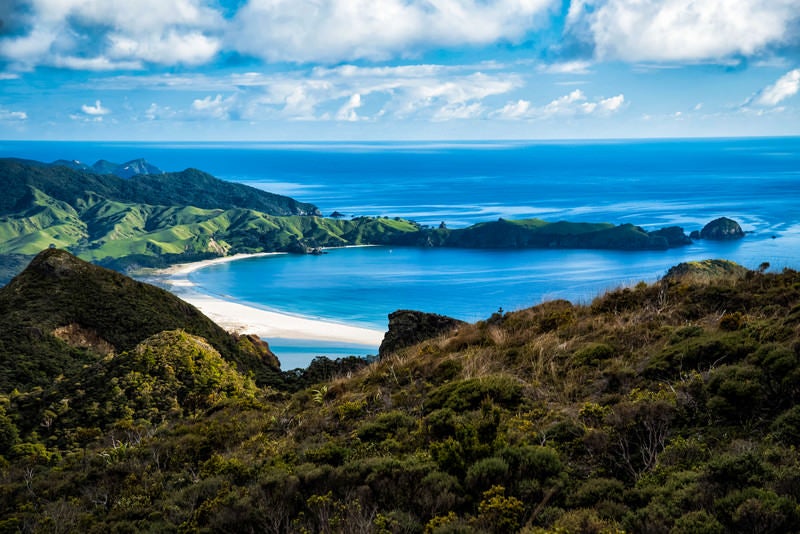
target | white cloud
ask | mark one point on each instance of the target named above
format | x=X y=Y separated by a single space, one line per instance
x=338 y=30
x=458 y=112
x=612 y=104
x=6 y=115
x=192 y=48
x=216 y=108
x=515 y=110
x=684 y=30
x=568 y=67
x=423 y=91
x=114 y=34
x=96 y=111
x=572 y=104
x=348 y=111
x=787 y=86
x=94 y=64
x=156 y=112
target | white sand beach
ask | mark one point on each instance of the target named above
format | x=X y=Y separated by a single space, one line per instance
x=244 y=319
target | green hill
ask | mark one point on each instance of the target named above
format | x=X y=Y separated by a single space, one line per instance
x=670 y=407
x=62 y=313
x=186 y=188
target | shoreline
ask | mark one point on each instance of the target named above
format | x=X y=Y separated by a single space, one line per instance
x=242 y=318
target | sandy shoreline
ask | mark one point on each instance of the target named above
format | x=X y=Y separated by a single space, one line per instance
x=241 y=318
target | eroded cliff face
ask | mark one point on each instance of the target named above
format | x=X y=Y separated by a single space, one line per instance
x=407 y=327
x=722 y=229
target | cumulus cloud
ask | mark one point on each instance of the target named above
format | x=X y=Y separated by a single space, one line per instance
x=216 y=108
x=341 y=30
x=112 y=34
x=787 y=86
x=97 y=110
x=348 y=111
x=572 y=104
x=515 y=110
x=683 y=30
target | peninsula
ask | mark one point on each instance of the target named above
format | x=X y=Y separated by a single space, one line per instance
x=104 y=214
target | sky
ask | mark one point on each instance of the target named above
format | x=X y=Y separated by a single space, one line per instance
x=283 y=70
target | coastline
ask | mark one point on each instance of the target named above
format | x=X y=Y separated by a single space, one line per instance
x=246 y=319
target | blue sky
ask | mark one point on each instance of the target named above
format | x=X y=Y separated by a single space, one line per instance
x=398 y=69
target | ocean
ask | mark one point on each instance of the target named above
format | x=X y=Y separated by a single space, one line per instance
x=652 y=183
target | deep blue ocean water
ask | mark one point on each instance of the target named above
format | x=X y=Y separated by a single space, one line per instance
x=650 y=183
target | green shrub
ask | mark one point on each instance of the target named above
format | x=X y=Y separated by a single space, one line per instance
x=735 y=392
x=786 y=426
x=386 y=425
x=697 y=522
x=469 y=394
x=486 y=473
x=596 y=490
x=593 y=354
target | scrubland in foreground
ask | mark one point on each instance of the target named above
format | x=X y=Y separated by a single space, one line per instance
x=670 y=407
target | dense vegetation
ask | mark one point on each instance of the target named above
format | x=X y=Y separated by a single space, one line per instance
x=670 y=407
x=152 y=220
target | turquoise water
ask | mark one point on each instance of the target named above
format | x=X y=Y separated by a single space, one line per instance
x=363 y=285
x=650 y=183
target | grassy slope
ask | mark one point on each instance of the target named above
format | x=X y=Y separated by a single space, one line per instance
x=664 y=408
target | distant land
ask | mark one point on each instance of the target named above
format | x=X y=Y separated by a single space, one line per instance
x=106 y=214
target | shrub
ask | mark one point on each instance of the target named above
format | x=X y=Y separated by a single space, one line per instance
x=731 y=321
x=593 y=354
x=468 y=394
x=486 y=473
x=386 y=425
x=786 y=426
x=697 y=522
x=500 y=513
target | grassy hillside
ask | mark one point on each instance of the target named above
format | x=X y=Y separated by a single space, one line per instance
x=670 y=407
x=190 y=187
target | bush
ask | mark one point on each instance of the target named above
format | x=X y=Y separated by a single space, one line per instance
x=486 y=473
x=469 y=394
x=386 y=425
x=697 y=522
x=593 y=354
x=786 y=427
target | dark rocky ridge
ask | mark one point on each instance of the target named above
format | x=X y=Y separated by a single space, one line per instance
x=407 y=327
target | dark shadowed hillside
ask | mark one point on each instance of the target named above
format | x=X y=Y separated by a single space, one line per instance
x=62 y=312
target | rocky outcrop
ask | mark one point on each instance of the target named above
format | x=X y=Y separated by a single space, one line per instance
x=722 y=229
x=705 y=270
x=407 y=327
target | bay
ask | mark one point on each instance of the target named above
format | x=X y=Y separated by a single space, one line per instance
x=653 y=183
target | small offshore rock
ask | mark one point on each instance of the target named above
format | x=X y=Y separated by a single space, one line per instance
x=722 y=229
